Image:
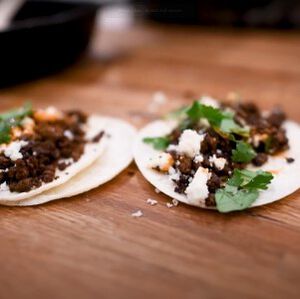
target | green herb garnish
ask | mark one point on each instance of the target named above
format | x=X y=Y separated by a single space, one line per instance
x=159 y=143
x=11 y=119
x=242 y=189
x=177 y=114
x=220 y=120
x=243 y=153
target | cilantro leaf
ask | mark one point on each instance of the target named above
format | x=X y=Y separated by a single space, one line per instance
x=4 y=132
x=17 y=114
x=220 y=120
x=12 y=118
x=260 y=181
x=159 y=143
x=198 y=110
x=250 y=179
x=176 y=114
x=241 y=177
x=241 y=190
x=243 y=153
x=235 y=201
x=228 y=125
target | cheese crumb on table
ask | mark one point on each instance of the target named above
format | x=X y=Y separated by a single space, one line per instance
x=137 y=214
x=175 y=202
x=158 y=99
x=151 y=202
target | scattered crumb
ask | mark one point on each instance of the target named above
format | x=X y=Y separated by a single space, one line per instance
x=151 y=202
x=233 y=96
x=169 y=205
x=159 y=99
x=175 y=202
x=156 y=190
x=137 y=214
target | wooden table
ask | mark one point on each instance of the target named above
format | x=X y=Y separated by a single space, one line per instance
x=90 y=246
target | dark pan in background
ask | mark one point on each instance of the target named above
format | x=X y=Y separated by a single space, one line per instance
x=44 y=37
x=277 y=14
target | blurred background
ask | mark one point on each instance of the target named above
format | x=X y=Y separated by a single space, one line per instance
x=39 y=37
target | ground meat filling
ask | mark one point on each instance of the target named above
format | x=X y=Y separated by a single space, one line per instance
x=52 y=145
x=267 y=137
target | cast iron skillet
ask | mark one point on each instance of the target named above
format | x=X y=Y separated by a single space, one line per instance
x=44 y=37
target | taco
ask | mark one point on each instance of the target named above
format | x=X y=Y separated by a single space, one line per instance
x=43 y=150
x=221 y=155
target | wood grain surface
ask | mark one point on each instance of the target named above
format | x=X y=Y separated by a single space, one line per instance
x=90 y=246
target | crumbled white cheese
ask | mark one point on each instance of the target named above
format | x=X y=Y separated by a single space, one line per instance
x=173 y=174
x=27 y=121
x=209 y=101
x=172 y=147
x=198 y=158
x=169 y=205
x=69 y=134
x=137 y=214
x=67 y=161
x=151 y=202
x=218 y=162
x=12 y=151
x=175 y=202
x=189 y=143
x=177 y=162
x=162 y=161
x=256 y=139
x=158 y=99
x=4 y=187
x=197 y=191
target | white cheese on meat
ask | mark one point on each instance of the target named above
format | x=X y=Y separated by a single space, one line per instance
x=12 y=151
x=4 y=187
x=218 y=162
x=190 y=143
x=198 y=158
x=69 y=134
x=197 y=191
x=173 y=174
x=162 y=161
